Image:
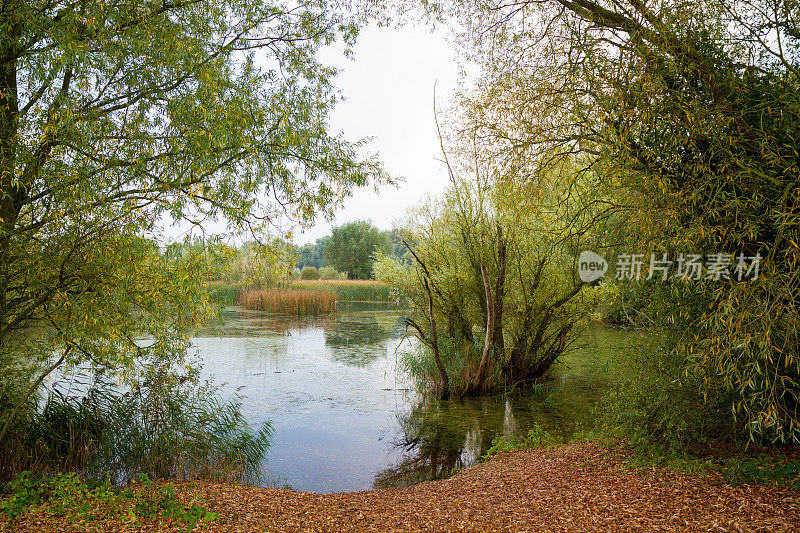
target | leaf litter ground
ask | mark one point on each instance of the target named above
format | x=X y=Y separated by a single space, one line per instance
x=577 y=487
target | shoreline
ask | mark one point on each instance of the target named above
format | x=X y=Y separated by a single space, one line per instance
x=575 y=487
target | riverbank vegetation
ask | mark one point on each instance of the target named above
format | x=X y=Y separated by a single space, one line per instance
x=533 y=490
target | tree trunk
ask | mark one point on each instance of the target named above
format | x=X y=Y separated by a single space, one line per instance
x=9 y=111
x=444 y=380
x=477 y=384
x=499 y=293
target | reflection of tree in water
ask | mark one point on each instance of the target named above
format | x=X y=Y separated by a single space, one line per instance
x=357 y=341
x=438 y=437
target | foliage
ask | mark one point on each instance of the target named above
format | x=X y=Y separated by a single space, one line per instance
x=115 y=119
x=312 y=254
x=290 y=301
x=657 y=407
x=689 y=114
x=309 y=273
x=88 y=501
x=352 y=246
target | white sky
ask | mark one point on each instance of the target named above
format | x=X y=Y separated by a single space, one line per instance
x=389 y=91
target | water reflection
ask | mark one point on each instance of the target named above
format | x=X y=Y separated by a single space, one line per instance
x=345 y=420
x=358 y=341
x=438 y=437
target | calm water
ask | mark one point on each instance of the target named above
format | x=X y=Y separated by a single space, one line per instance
x=344 y=419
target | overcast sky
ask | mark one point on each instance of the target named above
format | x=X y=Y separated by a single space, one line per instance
x=389 y=87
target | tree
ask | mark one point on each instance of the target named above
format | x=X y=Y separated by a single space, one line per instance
x=115 y=116
x=493 y=287
x=312 y=254
x=352 y=246
x=690 y=113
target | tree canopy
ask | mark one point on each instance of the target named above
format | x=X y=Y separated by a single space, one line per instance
x=116 y=117
x=352 y=246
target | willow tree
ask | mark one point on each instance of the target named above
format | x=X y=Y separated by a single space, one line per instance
x=690 y=112
x=116 y=117
x=492 y=279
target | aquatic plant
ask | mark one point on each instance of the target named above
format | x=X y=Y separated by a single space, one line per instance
x=289 y=301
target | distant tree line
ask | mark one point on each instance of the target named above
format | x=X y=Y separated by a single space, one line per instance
x=349 y=249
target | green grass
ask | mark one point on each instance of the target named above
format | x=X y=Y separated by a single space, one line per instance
x=350 y=290
x=536 y=438
x=762 y=470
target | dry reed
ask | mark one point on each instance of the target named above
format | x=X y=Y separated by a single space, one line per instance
x=289 y=301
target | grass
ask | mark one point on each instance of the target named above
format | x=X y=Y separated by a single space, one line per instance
x=350 y=290
x=289 y=301
x=536 y=438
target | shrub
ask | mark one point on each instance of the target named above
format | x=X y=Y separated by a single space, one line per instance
x=658 y=406
x=330 y=273
x=309 y=272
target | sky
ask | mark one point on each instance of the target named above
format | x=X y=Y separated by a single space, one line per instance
x=389 y=89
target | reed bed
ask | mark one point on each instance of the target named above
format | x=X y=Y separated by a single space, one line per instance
x=350 y=290
x=224 y=293
x=289 y=301
x=166 y=426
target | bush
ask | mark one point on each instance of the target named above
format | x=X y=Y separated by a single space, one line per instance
x=658 y=406
x=309 y=272
x=330 y=273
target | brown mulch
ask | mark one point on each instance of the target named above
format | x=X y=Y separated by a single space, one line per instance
x=577 y=487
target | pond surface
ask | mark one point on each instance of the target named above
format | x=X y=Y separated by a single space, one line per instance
x=345 y=419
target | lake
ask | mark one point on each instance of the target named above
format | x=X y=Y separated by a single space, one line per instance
x=344 y=417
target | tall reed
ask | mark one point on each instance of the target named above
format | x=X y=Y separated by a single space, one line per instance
x=289 y=301
x=166 y=426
